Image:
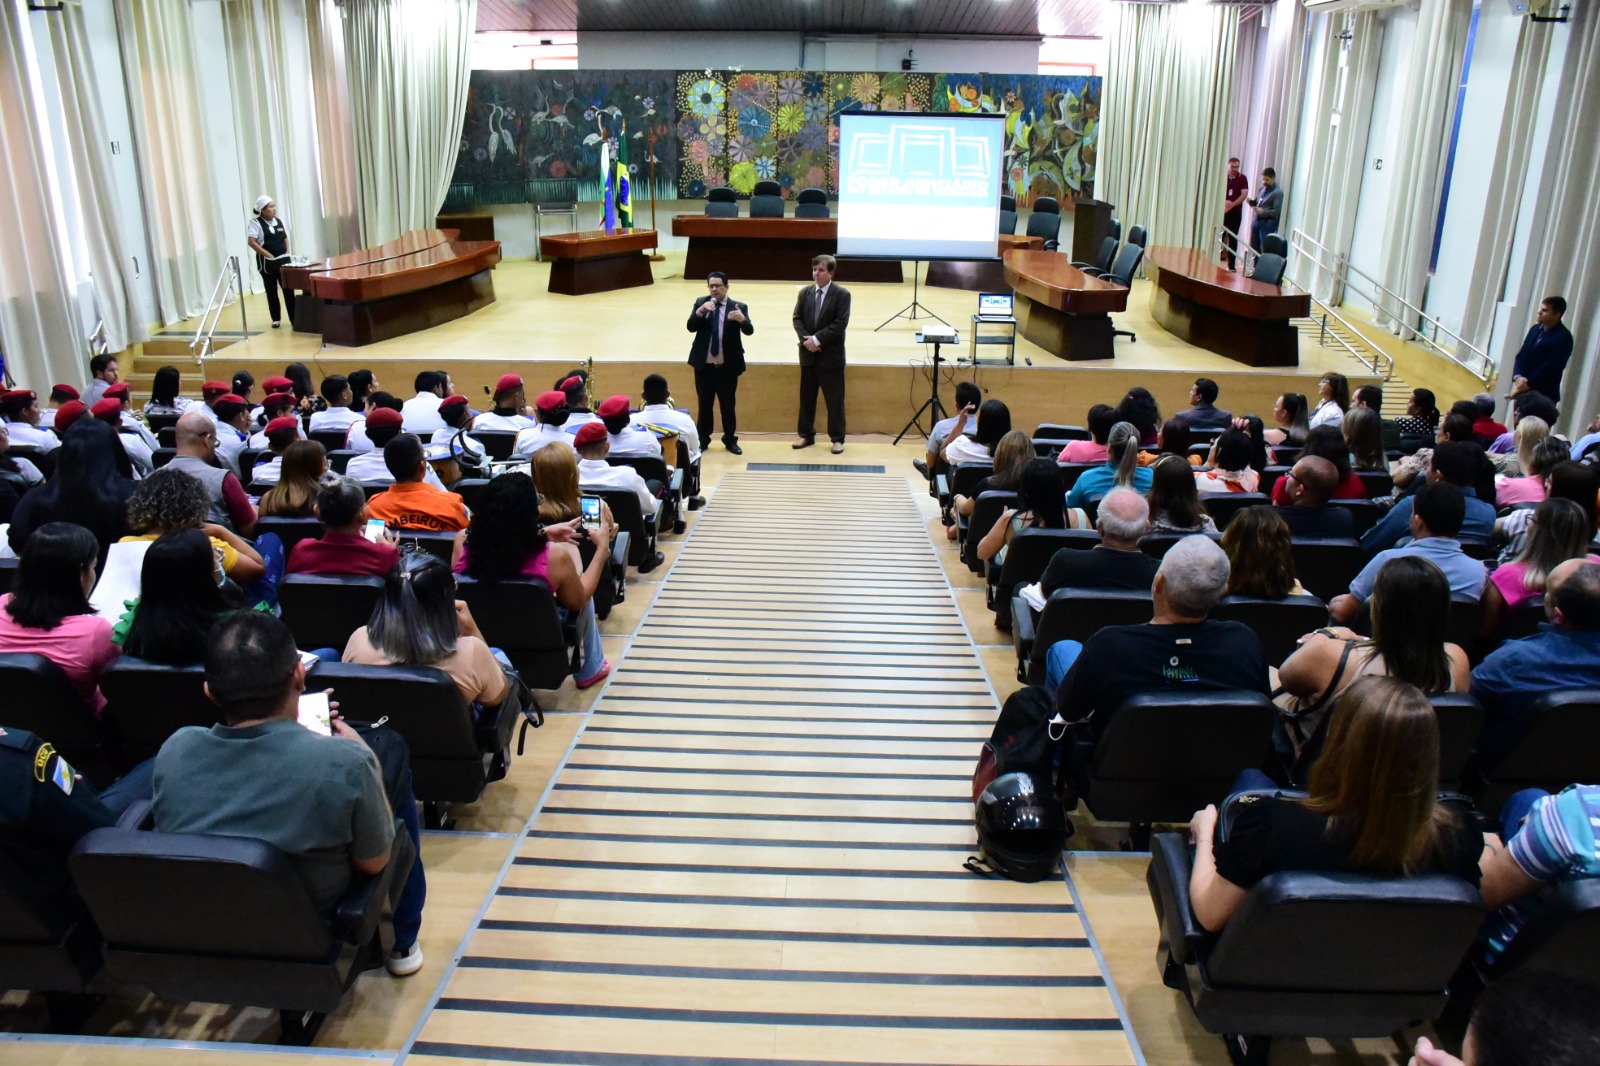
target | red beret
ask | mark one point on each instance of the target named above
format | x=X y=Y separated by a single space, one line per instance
x=549 y=401
x=613 y=405
x=217 y=387
x=230 y=398
x=119 y=390
x=384 y=416
x=17 y=397
x=591 y=432
x=275 y=398
x=507 y=383
x=570 y=383
x=64 y=390
x=278 y=383
x=279 y=425
x=69 y=413
x=453 y=401
x=107 y=410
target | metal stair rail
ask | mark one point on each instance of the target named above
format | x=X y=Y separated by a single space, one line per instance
x=230 y=283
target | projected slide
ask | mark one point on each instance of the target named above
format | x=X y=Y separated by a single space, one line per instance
x=919 y=186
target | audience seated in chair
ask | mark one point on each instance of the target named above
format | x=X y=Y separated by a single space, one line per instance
x=357 y=440
x=305 y=463
x=412 y=503
x=196 y=444
x=276 y=405
x=1203 y=409
x=183 y=593
x=264 y=776
x=1328 y=444
x=343 y=548
x=456 y=415
x=339 y=415
x=993 y=422
x=1180 y=648
x=1436 y=517
x=48 y=612
x=1098 y=421
x=1260 y=562
x=1139 y=407
x=421 y=414
x=1174 y=500
x=657 y=410
x=511 y=411
x=1309 y=485
x=1508 y=449
x=1039 y=506
x=1566 y=481
x=20 y=409
x=1547 y=840
x=1116 y=562
x=91 y=487
x=1121 y=469
x=1229 y=468
x=1174 y=438
x=507 y=540
x=1559 y=530
x=383 y=426
x=555 y=475
x=1537 y=464
x=627 y=440
x=141 y=452
x=1011 y=456
x=553 y=414
x=1565 y=653
x=595 y=473
x=1372 y=808
x=1454 y=463
x=968 y=394
x=1363 y=440
x=171 y=499
x=1525 y=1017
x=279 y=434
x=1291 y=418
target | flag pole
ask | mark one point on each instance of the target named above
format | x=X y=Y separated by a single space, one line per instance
x=655 y=255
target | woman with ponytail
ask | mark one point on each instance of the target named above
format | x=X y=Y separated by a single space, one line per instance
x=1121 y=469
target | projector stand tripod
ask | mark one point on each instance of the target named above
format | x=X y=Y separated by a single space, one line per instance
x=931 y=404
x=910 y=309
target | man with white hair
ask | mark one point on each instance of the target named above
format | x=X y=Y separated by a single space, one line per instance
x=1116 y=562
x=1179 y=648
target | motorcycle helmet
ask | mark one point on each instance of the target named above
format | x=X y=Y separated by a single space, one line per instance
x=1021 y=827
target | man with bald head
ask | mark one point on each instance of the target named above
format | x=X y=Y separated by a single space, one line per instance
x=197 y=456
x=1309 y=484
x=1565 y=653
x=1116 y=562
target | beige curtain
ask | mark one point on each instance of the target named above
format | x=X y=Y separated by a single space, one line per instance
x=408 y=63
x=1279 y=89
x=1246 y=56
x=1168 y=93
x=111 y=260
x=1430 y=89
x=336 y=159
x=40 y=335
x=182 y=215
x=1345 y=52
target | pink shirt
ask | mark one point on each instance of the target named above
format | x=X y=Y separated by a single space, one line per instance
x=537 y=565
x=1510 y=490
x=81 y=645
x=1508 y=578
x=1082 y=451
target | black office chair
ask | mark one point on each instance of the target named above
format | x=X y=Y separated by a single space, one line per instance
x=1103 y=261
x=1008 y=214
x=1222 y=506
x=630 y=519
x=1122 y=272
x=1364 y=513
x=162 y=456
x=960 y=480
x=167 y=436
x=1274 y=244
x=766 y=200
x=1045 y=221
x=1279 y=623
x=1070 y=614
x=986 y=511
x=1376 y=482
x=1156 y=545
x=248 y=458
x=322 y=610
x=1326 y=565
x=1311 y=954
x=160 y=424
x=722 y=203
x=331 y=439
x=1071 y=472
x=1060 y=432
x=41 y=700
x=148 y=702
x=654 y=468
x=1136 y=235
x=1523 y=620
x=498 y=444
x=169 y=907
x=1460 y=722
x=1027 y=556
x=1269 y=477
x=339 y=459
x=811 y=203
x=1269 y=268
x=289 y=530
x=1556 y=744
x=519 y=617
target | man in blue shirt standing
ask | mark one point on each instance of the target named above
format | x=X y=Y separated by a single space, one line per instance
x=1544 y=353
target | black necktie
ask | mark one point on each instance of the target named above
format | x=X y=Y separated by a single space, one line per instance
x=716 y=328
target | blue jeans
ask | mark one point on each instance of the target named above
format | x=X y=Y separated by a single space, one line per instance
x=408 y=909
x=1517 y=808
x=1058 y=663
x=591 y=655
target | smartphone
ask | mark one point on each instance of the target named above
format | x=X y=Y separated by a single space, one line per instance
x=315 y=713
x=374 y=530
x=591 y=510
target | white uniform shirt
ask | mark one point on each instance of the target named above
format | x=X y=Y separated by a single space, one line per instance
x=230 y=442
x=531 y=440
x=138 y=451
x=335 y=418
x=26 y=436
x=420 y=414
x=1327 y=414
x=577 y=419
x=599 y=474
x=635 y=442
x=659 y=414
x=446 y=435
x=371 y=468
x=966 y=450
x=95 y=392
x=267 y=472
x=490 y=422
x=131 y=422
x=357 y=440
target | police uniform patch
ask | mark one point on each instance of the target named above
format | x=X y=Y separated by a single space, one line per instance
x=63 y=776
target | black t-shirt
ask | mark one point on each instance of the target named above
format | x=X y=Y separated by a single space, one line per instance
x=1273 y=834
x=1318 y=521
x=1122 y=661
x=1099 y=568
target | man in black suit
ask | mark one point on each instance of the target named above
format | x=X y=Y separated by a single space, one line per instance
x=719 y=326
x=821 y=314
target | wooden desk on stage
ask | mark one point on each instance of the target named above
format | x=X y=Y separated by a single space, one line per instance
x=770 y=249
x=597 y=260
x=1060 y=308
x=979 y=275
x=414 y=282
x=1194 y=297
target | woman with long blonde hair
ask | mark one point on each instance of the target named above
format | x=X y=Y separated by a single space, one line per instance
x=304 y=463
x=555 y=475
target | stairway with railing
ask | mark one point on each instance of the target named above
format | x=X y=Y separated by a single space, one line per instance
x=229 y=286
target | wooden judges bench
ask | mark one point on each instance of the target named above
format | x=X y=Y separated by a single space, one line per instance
x=414 y=282
x=1060 y=308
x=1194 y=297
x=770 y=249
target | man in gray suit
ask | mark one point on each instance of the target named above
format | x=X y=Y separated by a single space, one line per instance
x=821 y=313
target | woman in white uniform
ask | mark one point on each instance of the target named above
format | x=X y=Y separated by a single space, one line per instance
x=269 y=240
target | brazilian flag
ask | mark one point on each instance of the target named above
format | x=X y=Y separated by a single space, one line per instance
x=624 y=185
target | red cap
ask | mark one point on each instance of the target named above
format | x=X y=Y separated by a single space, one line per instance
x=507 y=383
x=570 y=383
x=278 y=383
x=118 y=391
x=65 y=390
x=107 y=410
x=69 y=413
x=612 y=406
x=217 y=387
x=549 y=401
x=277 y=398
x=17 y=397
x=590 y=432
x=230 y=398
x=453 y=401
x=384 y=416
x=279 y=425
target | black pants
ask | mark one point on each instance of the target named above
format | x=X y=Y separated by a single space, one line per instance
x=717 y=384
x=1231 y=220
x=831 y=381
x=273 y=282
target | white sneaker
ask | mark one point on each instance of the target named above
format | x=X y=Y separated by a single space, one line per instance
x=403 y=963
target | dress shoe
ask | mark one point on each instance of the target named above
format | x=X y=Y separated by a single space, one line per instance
x=838 y=446
x=651 y=563
x=679 y=526
x=803 y=442
x=734 y=448
x=696 y=502
x=921 y=467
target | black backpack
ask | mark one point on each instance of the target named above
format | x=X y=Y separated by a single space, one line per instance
x=1024 y=740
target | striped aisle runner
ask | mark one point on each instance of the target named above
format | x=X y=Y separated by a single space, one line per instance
x=753 y=853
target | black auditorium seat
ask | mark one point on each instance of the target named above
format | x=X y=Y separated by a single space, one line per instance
x=40 y=699
x=322 y=610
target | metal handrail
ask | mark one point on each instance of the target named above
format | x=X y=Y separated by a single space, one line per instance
x=229 y=281
x=1242 y=249
x=1342 y=269
x=98 y=345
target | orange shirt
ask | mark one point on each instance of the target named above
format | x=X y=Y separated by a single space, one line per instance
x=418 y=505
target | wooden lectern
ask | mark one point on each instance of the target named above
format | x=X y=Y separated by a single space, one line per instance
x=1091 y=224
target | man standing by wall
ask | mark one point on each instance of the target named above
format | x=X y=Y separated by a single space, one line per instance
x=1233 y=210
x=719 y=326
x=1269 y=208
x=1545 y=350
x=821 y=314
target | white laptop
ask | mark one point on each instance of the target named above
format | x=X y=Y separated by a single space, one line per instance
x=994 y=305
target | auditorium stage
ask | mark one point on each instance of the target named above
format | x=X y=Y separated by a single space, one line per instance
x=633 y=332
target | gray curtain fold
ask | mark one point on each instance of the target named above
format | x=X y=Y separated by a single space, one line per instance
x=1274 y=124
x=336 y=160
